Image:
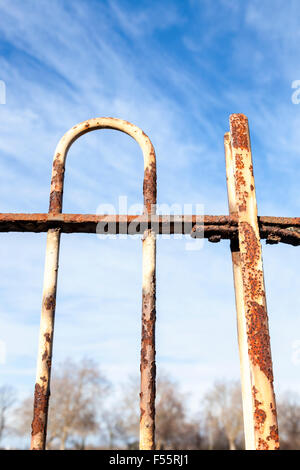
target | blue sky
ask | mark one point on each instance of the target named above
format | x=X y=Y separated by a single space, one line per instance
x=177 y=69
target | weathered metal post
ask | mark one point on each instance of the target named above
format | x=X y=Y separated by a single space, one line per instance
x=259 y=407
x=42 y=387
x=148 y=367
x=239 y=301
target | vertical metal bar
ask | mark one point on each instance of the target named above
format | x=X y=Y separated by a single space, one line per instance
x=240 y=310
x=42 y=386
x=43 y=374
x=257 y=373
x=148 y=366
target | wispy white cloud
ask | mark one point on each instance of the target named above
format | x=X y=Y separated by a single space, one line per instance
x=143 y=20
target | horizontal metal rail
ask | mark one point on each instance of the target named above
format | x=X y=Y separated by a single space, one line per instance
x=214 y=227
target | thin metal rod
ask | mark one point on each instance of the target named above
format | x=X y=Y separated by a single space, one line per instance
x=257 y=370
x=147 y=364
x=42 y=387
x=148 y=367
x=240 y=307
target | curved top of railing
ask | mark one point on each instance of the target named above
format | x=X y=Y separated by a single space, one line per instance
x=61 y=151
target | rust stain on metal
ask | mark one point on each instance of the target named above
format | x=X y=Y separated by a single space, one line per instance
x=142 y=413
x=47 y=335
x=273 y=436
x=262 y=444
x=55 y=204
x=239 y=131
x=214 y=238
x=41 y=398
x=147 y=365
x=49 y=302
x=259 y=414
x=252 y=247
x=57 y=179
x=256 y=314
x=272 y=409
x=239 y=161
x=149 y=187
x=148 y=321
x=260 y=417
x=57 y=171
x=273 y=239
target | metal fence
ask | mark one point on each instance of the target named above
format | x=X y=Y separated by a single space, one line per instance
x=242 y=227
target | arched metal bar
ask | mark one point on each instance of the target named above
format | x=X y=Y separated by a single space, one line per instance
x=42 y=386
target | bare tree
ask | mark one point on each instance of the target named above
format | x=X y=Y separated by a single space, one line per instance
x=7 y=399
x=174 y=430
x=121 y=418
x=77 y=394
x=112 y=420
x=289 y=421
x=223 y=413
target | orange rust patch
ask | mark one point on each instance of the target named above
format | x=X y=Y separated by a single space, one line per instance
x=148 y=326
x=258 y=338
x=256 y=314
x=259 y=414
x=41 y=398
x=55 y=205
x=47 y=337
x=149 y=186
x=273 y=436
x=255 y=283
x=56 y=185
x=49 y=302
x=239 y=161
x=239 y=131
x=251 y=245
x=239 y=180
x=240 y=183
x=260 y=417
x=57 y=173
x=262 y=444
x=148 y=368
x=273 y=409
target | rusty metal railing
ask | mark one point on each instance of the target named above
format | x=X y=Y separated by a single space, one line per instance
x=242 y=227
